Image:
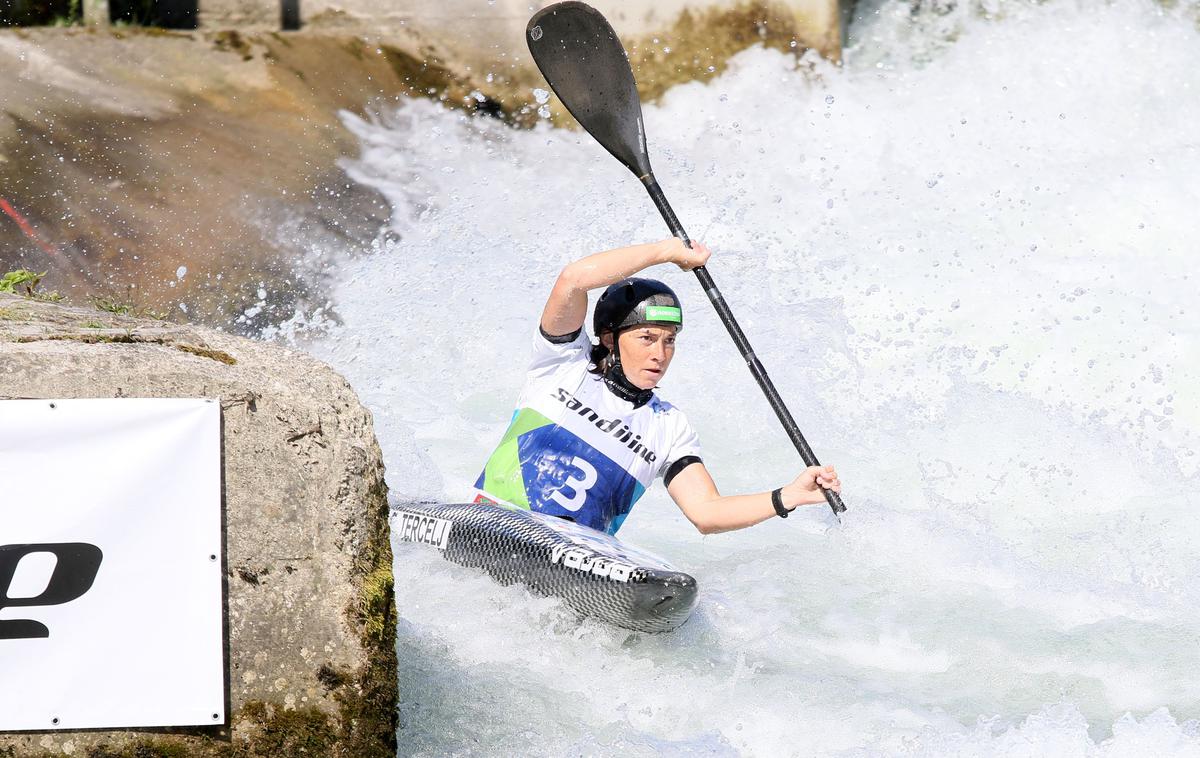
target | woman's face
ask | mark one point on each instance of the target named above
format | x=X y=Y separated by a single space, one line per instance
x=646 y=351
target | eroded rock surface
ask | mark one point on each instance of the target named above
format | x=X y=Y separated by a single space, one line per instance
x=205 y=170
x=312 y=664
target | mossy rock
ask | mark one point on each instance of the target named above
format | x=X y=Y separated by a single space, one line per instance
x=312 y=667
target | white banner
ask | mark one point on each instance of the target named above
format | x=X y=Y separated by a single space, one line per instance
x=110 y=564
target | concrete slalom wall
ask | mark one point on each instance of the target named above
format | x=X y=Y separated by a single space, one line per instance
x=489 y=34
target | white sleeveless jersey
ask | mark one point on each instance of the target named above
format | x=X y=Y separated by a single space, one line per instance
x=575 y=449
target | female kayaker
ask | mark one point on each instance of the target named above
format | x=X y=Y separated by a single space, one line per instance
x=589 y=434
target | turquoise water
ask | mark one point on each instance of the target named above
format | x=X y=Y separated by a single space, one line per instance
x=967 y=259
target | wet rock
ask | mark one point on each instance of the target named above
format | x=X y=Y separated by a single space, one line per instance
x=312 y=665
x=202 y=173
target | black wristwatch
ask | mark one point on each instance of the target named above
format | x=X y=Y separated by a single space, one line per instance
x=777 y=501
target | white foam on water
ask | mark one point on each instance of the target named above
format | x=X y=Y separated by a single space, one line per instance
x=967 y=259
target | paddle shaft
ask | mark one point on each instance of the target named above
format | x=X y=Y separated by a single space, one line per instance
x=586 y=65
x=743 y=344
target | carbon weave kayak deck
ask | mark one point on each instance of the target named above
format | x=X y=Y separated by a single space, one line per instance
x=594 y=573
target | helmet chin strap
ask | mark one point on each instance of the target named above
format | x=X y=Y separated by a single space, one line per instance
x=615 y=379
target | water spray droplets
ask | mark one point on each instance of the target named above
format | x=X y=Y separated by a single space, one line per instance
x=542 y=97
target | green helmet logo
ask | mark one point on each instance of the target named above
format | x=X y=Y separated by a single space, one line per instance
x=636 y=302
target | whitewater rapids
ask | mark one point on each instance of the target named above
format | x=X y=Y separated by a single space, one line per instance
x=968 y=260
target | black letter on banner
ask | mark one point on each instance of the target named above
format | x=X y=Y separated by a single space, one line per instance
x=73 y=575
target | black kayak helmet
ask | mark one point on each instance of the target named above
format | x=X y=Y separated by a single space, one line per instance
x=635 y=302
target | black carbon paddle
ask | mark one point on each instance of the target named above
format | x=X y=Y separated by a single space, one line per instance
x=585 y=64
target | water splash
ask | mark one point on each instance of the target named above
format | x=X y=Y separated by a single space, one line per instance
x=964 y=258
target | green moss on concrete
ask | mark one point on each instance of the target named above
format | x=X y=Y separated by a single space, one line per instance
x=304 y=731
x=151 y=31
x=264 y=730
x=145 y=748
x=204 y=352
x=374 y=601
x=699 y=44
x=123 y=338
x=431 y=80
x=142 y=749
x=367 y=710
x=231 y=41
x=129 y=338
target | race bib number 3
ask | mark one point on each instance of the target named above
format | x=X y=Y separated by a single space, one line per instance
x=563 y=474
x=577 y=486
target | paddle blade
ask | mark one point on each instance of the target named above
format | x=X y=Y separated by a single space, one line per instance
x=579 y=54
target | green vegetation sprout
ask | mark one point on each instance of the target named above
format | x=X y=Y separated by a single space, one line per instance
x=25 y=282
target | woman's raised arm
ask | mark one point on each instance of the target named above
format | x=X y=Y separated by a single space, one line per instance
x=566 y=308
